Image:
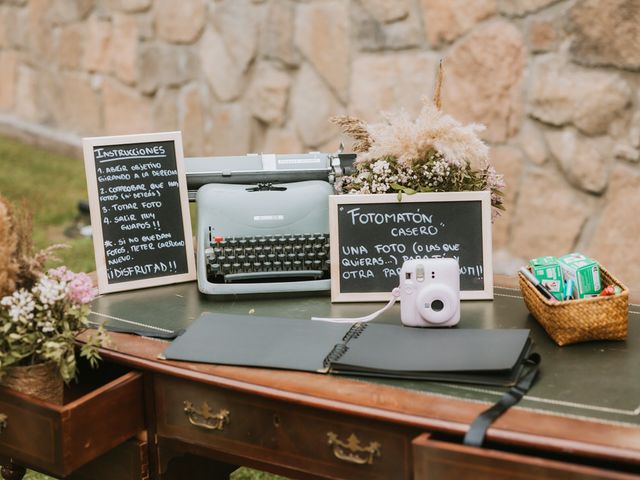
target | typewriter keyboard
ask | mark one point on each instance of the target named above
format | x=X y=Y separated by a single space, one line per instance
x=270 y=258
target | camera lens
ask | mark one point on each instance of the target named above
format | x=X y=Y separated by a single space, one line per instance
x=437 y=305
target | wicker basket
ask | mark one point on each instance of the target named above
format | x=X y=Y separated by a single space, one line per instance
x=41 y=380
x=573 y=321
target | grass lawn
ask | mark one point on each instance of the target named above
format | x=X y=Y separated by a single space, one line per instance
x=52 y=185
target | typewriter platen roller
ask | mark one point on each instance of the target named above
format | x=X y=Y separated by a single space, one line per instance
x=266 y=168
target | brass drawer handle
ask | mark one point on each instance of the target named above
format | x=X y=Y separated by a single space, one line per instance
x=351 y=451
x=205 y=418
x=3 y=422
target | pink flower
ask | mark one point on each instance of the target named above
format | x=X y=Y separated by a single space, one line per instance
x=61 y=273
x=81 y=289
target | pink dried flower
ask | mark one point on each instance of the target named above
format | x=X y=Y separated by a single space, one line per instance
x=81 y=289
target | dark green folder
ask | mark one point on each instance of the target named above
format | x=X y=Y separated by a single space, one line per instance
x=488 y=357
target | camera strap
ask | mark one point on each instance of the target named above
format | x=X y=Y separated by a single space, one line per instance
x=395 y=294
x=478 y=429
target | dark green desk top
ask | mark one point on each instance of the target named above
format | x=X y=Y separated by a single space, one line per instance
x=598 y=380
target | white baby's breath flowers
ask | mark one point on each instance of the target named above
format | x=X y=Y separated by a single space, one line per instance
x=21 y=306
x=49 y=290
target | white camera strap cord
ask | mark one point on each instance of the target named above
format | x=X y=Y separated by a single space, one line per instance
x=395 y=294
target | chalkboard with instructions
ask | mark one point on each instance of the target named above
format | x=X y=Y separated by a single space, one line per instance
x=372 y=235
x=139 y=210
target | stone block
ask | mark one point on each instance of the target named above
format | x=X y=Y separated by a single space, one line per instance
x=322 y=35
x=626 y=152
x=387 y=12
x=446 y=20
x=634 y=130
x=549 y=216
x=542 y=35
x=268 y=94
x=26 y=94
x=70 y=46
x=4 y=35
x=17 y=28
x=391 y=82
x=312 y=104
x=124 y=48
x=191 y=109
x=125 y=110
x=130 y=6
x=219 y=68
x=562 y=93
x=531 y=141
x=165 y=65
x=615 y=239
x=282 y=140
x=97 y=49
x=237 y=23
x=80 y=105
x=508 y=161
x=519 y=8
x=484 y=73
x=230 y=130
x=180 y=22
x=68 y=11
x=276 y=41
x=606 y=32
x=8 y=79
x=165 y=110
x=372 y=33
x=585 y=161
x=40 y=29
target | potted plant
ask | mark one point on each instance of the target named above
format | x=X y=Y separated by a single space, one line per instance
x=41 y=312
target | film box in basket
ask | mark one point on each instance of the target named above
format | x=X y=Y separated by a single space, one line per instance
x=585 y=273
x=547 y=270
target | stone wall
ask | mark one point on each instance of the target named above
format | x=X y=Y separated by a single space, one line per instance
x=555 y=81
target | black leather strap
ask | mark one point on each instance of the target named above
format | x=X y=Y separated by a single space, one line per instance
x=478 y=429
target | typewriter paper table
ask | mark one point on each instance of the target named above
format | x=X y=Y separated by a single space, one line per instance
x=581 y=419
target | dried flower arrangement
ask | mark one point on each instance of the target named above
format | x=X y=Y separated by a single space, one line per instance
x=433 y=153
x=40 y=313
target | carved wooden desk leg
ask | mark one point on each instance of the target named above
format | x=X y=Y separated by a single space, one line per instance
x=11 y=471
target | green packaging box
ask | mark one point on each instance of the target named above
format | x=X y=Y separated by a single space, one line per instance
x=547 y=270
x=585 y=273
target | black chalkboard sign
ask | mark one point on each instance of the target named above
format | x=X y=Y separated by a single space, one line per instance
x=372 y=235
x=139 y=210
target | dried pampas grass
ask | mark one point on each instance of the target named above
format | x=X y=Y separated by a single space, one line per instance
x=20 y=265
x=8 y=245
x=356 y=129
x=410 y=141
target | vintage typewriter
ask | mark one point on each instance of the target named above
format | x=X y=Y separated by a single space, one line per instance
x=263 y=221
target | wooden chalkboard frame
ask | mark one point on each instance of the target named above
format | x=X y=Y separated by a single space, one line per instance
x=98 y=240
x=335 y=201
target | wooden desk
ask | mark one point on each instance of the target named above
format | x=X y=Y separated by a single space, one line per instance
x=581 y=419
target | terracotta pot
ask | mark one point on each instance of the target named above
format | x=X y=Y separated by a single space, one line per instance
x=41 y=380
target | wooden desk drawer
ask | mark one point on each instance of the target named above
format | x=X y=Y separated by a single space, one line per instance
x=279 y=433
x=436 y=460
x=57 y=439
